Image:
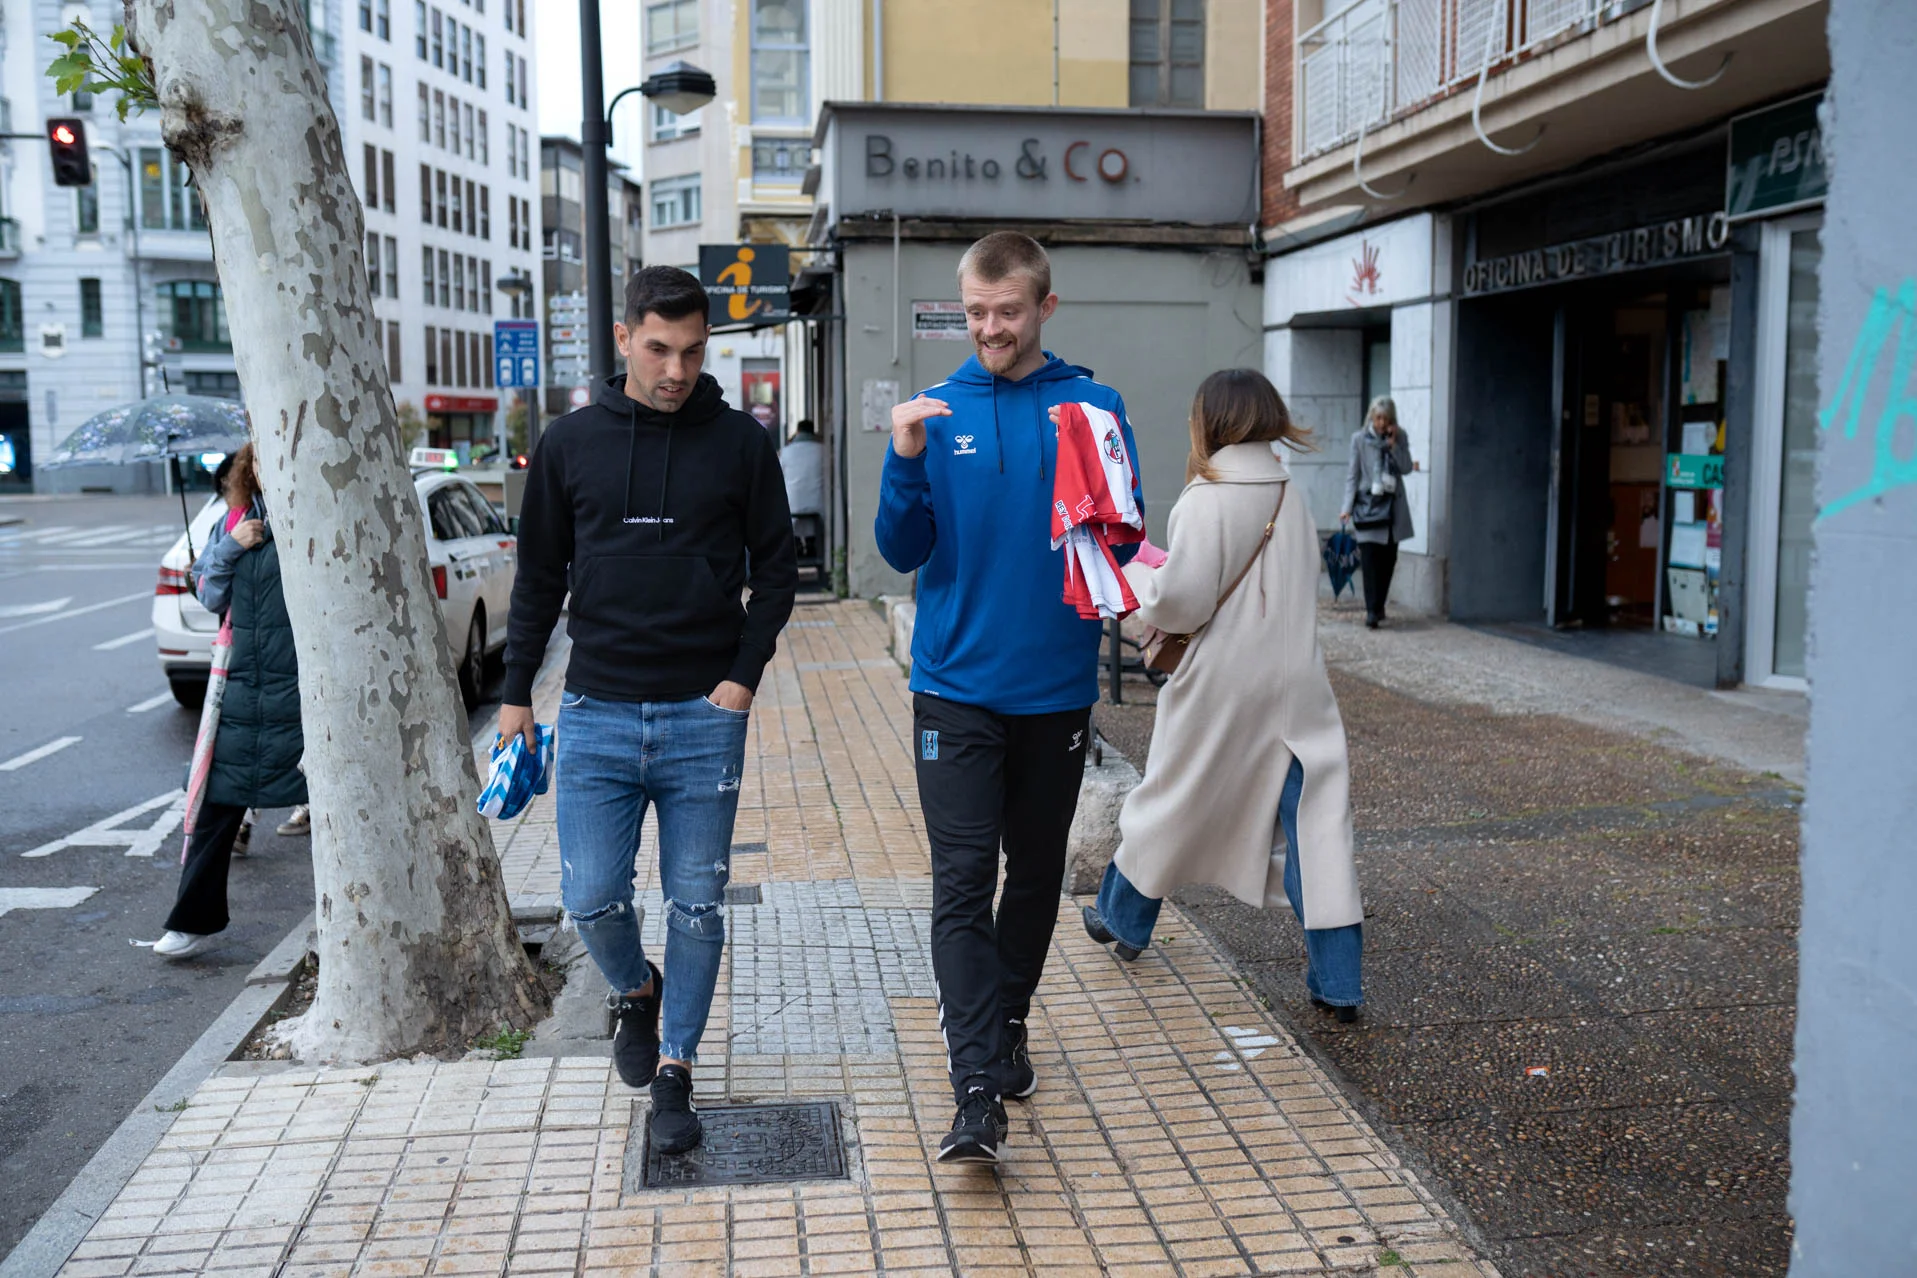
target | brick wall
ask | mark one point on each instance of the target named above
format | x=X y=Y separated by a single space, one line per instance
x=1279 y=203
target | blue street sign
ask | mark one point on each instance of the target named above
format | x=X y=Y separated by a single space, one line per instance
x=515 y=353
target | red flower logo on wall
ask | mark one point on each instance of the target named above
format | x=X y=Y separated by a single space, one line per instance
x=1365 y=274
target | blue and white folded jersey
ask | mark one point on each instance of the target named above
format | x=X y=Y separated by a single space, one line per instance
x=517 y=774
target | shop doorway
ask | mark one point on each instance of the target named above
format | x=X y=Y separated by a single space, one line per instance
x=1636 y=523
x=16 y=443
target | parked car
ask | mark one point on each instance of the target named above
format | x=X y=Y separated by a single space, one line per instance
x=472 y=552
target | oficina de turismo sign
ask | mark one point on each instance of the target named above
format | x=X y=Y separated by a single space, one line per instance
x=1699 y=235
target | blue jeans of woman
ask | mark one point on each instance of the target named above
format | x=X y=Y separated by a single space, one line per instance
x=615 y=759
x=1333 y=955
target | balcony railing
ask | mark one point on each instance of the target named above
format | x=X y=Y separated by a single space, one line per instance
x=1374 y=59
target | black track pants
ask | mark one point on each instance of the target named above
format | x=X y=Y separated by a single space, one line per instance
x=200 y=907
x=1378 y=560
x=988 y=781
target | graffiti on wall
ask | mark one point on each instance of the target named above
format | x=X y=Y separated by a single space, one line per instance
x=1889 y=328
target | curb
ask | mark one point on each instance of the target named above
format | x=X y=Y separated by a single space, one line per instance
x=64 y=1225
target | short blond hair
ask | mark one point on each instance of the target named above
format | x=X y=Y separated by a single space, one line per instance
x=1003 y=255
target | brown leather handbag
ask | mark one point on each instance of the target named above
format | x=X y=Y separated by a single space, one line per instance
x=1165 y=651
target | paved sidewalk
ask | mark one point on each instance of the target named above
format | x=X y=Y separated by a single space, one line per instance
x=1178 y=1128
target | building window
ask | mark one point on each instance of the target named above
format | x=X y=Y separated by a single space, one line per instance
x=486 y=345
x=511 y=91
x=12 y=323
x=1168 y=53
x=432 y=356
x=392 y=352
x=439 y=197
x=168 y=201
x=479 y=60
x=385 y=95
x=419 y=39
x=486 y=291
x=193 y=315
x=446 y=354
x=480 y=136
x=372 y=264
x=466 y=54
x=384 y=20
x=425 y=113
x=672 y=25
x=92 y=313
x=86 y=206
x=459 y=359
x=459 y=282
x=485 y=212
x=452 y=125
x=467 y=107
x=667 y=127
x=458 y=206
x=387 y=193
x=779 y=53
x=371 y=156
x=366 y=96
x=426 y=272
x=472 y=207
x=365 y=15
x=445 y=280
x=426 y=194
x=525 y=154
x=439 y=40
x=215 y=385
x=439 y=119
x=780 y=161
x=392 y=268
x=675 y=201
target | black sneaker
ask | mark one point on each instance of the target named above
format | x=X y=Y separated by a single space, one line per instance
x=635 y=1032
x=1015 y=1067
x=978 y=1129
x=674 y=1127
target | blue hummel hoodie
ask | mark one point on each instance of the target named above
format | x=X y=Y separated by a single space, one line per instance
x=973 y=514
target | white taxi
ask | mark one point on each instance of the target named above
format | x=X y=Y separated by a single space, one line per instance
x=469 y=546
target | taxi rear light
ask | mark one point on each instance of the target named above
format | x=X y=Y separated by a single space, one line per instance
x=172 y=582
x=439 y=580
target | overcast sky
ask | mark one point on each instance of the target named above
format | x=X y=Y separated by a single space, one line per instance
x=556 y=42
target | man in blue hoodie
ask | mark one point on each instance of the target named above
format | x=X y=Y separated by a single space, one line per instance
x=1004 y=672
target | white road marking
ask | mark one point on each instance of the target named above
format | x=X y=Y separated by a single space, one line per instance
x=151 y=703
x=140 y=841
x=34 y=610
x=33 y=534
x=124 y=640
x=76 y=612
x=107 y=539
x=43 y=898
x=83 y=534
x=20 y=761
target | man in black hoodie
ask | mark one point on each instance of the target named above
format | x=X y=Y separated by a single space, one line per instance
x=657 y=506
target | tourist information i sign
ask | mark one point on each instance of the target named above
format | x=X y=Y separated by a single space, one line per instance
x=515 y=353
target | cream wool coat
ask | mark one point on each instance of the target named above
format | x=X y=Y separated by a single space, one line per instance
x=1250 y=695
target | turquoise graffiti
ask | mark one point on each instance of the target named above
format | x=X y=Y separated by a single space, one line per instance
x=1890 y=325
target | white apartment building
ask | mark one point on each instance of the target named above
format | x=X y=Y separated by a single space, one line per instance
x=440 y=131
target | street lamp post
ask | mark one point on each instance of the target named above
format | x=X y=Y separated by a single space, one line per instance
x=679 y=88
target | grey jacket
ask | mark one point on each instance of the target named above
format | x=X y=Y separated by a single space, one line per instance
x=1366 y=468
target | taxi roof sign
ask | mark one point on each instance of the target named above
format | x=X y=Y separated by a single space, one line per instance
x=436 y=458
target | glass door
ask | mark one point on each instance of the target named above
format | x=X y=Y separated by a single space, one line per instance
x=1783 y=498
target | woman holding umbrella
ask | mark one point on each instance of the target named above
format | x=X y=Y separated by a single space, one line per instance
x=255 y=727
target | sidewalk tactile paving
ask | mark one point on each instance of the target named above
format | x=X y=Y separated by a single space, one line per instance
x=1178 y=1129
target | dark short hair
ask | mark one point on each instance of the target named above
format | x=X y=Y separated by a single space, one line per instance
x=665 y=291
x=807 y=426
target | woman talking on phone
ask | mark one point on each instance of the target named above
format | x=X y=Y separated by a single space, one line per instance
x=1375 y=505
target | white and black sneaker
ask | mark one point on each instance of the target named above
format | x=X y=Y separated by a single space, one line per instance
x=978 y=1130
x=184 y=945
x=674 y=1127
x=635 y=1032
x=1016 y=1074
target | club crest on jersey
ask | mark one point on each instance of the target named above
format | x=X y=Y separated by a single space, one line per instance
x=964 y=448
x=1114 y=447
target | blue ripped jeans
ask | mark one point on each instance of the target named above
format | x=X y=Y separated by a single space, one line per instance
x=616 y=758
x=1334 y=956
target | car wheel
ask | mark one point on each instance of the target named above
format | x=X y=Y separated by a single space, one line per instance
x=190 y=693
x=472 y=665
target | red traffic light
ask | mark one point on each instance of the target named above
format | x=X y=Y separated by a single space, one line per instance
x=67 y=144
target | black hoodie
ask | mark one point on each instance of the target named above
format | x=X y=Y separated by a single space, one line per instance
x=656 y=522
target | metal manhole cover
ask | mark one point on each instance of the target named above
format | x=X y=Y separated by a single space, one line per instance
x=745 y=1145
x=744 y=894
x=748 y=847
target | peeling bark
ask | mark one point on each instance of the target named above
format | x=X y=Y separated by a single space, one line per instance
x=417 y=947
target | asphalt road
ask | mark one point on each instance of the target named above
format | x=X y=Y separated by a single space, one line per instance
x=89 y=1019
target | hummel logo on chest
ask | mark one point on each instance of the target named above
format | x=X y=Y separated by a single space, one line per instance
x=964 y=448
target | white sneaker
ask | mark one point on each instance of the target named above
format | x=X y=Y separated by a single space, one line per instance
x=179 y=945
x=299 y=823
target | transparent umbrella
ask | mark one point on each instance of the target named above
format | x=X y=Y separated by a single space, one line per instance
x=153 y=429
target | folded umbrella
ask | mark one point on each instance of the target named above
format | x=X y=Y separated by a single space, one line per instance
x=1341 y=560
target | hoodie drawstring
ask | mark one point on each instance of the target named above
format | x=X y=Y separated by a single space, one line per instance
x=998 y=436
x=665 y=476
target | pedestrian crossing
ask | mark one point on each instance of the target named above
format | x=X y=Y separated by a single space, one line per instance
x=65 y=537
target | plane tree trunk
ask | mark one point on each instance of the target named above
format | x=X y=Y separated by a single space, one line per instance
x=416 y=944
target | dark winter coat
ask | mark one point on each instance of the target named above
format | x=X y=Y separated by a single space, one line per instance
x=257 y=751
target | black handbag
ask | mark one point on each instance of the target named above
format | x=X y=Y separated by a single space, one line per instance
x=1375 y=510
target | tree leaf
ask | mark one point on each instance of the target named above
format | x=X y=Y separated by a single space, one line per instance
x=70 y=39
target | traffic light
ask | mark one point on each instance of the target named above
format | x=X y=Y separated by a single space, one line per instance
x=67 y=139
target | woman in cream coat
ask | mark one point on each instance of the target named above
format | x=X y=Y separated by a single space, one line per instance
x=1248 y=785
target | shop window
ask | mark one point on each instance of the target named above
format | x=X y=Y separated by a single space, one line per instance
x=780 y=55
x=193 y=314
x=1168 y=53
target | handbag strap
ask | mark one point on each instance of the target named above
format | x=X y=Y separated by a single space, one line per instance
x=1262 y=543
